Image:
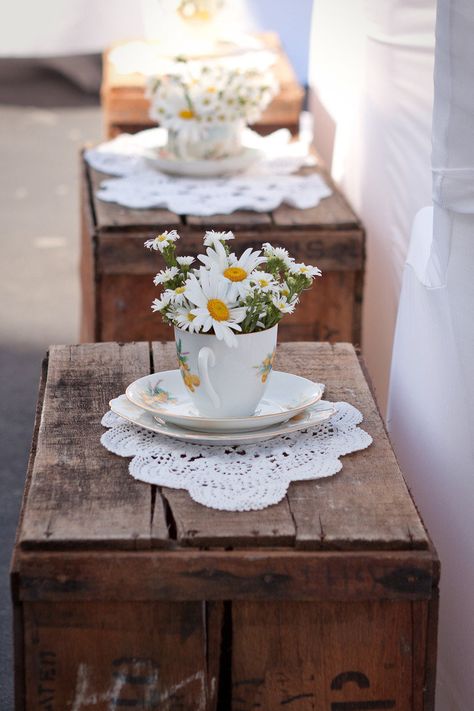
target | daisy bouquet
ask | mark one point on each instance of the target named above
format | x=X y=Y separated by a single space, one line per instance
x=205 y=105
x=224 y=294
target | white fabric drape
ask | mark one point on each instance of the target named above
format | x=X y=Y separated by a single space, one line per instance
x=431 y=406
x=371 y=76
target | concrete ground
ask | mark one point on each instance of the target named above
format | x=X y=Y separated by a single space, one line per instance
x=44 y=119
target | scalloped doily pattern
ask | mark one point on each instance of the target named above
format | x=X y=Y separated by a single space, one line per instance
x=262 y=187
x=238 y=478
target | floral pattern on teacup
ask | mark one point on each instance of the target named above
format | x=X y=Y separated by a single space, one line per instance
x=156 y=394
x=190 y=379
x=265 y=367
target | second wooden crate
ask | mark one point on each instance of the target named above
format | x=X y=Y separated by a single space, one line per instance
x=117 y=271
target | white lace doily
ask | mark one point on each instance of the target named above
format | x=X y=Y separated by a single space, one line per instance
x=262 y=187
x=238 y=478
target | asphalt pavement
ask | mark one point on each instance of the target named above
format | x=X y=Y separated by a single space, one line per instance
x=44 y=119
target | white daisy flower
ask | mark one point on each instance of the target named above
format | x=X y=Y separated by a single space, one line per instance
x=161 y=303
x=240 y=272
x=184 y=318
x=176 y=296
x=263 y=281
x=165 y=275
x=283 y=305
x=216 y=258
x=305 y=269
x=278 y=253
x=214 y=308
x=163 y=240
x=185 y=261
x=211 y=238
x=284 y=290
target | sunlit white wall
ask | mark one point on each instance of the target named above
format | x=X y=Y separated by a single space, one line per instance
x=371 y=79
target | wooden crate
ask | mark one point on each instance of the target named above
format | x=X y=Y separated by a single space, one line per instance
x=125 y=107
x=117 y=271
x=133 y=596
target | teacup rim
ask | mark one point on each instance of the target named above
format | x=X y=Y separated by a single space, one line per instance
x=237 y=334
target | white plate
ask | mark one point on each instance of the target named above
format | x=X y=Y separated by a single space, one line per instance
x=311 y=417
x=165 y=395
x=205 y=168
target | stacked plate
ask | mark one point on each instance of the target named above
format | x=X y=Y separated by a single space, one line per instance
x=161 y=403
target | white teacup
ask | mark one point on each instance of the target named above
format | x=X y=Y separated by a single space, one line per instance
x=223 y=381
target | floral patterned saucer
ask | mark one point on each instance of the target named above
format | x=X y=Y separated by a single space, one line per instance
x=311 y=417
x=166 y=396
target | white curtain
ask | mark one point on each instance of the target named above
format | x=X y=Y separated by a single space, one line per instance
x=371 y=78
x=431 y=406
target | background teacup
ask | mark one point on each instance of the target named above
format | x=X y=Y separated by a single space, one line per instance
x=223 y=381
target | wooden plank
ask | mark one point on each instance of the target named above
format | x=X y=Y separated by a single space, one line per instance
x=316 y=657
x=197 y=525
x=333 y=211
x=80 y=494
x=123 y=252
x=234 y=221
x=18 y=622
x=88 y=263
x=214 y=612
x=367 y=504
x=110 y=216
x=255 y=574
x=112 y=655
x=325 y=312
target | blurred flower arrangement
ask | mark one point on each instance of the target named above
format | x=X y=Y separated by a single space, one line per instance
x=198 y=10
x=205 y=106
x=226 y=293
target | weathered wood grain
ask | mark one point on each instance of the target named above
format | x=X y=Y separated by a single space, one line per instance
x=116 y=301
x=113 y=655
x=109 y=215
x=240 y=219
x=200 y=526
x=367 y=504
x=17 y=607
x=255 y=574
x=314 y=658
x=333 y=211
x=80 y=494
x=88 y=265
x=122 y=251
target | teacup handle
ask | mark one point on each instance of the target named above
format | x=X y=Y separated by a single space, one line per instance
x=206 y=358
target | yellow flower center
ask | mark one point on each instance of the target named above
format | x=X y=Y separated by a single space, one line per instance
x=190 y=316
x=186 y=114
x=161 y=238
x=235 y=274
x=218 y=310
x=180 y=290
x=263 y=282
x=211 y=89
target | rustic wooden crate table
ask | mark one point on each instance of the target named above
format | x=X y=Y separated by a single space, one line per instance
x=126 y=108
x=131 y=595
x=117 y=271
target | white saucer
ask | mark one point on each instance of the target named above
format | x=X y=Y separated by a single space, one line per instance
x=311 y=417
x=165 y=395
x=205 y=168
